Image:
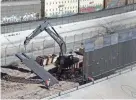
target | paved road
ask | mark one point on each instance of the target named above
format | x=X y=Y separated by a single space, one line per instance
x=66 y=20
x=118 y=86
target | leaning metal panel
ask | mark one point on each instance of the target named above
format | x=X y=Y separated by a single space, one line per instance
x=37 y=69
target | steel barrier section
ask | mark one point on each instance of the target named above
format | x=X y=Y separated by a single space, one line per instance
x=37 y=69
x=111 y=53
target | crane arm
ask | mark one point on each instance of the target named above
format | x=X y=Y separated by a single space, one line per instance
x=52 y=32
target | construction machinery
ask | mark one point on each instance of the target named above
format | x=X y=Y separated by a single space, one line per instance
x=64 y=60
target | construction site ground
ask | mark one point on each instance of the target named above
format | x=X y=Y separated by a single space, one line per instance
x=16 y=84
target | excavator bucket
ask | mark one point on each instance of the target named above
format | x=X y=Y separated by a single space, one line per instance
x=37 y=69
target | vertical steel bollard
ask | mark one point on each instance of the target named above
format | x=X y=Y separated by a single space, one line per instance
x=6 y=54
x=82 y=37
x=106 y=66
x=59 y=94
x=19 y=48
x=133 y=7
x=74 y=43
x=43 y=47
x=77 y=88
x=54 y=46
x=32 y=48
x=66 y=41
x=131 y=68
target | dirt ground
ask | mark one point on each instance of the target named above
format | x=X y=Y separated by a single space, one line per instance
x=19 y=90
x=12 y=90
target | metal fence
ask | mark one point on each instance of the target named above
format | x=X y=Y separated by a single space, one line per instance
x=106 y=54
x=45 y=47
x=113 y=54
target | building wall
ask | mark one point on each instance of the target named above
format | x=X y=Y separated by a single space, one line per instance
x=60 y=8
x=86 y=6
x=130 y=1
x=114 y=3
x=23 y=11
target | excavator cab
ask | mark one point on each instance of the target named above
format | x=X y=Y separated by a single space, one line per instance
x=67 y=62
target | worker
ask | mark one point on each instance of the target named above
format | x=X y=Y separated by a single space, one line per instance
x=80 y=51
x=47 y=83
x=81 y=48
x=91 y=79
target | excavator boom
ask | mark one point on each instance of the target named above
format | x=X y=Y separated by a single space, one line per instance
x=64 y=60
x=52 y=32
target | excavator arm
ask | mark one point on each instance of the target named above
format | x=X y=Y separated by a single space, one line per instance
x=64 y=60
x=52 y=32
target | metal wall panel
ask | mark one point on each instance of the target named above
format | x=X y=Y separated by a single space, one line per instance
x=86 y=6
x=114 y=3
x=130 y=2
x=60 y=8
x=112 y=57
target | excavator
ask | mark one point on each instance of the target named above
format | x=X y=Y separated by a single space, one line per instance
x=64 y=60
